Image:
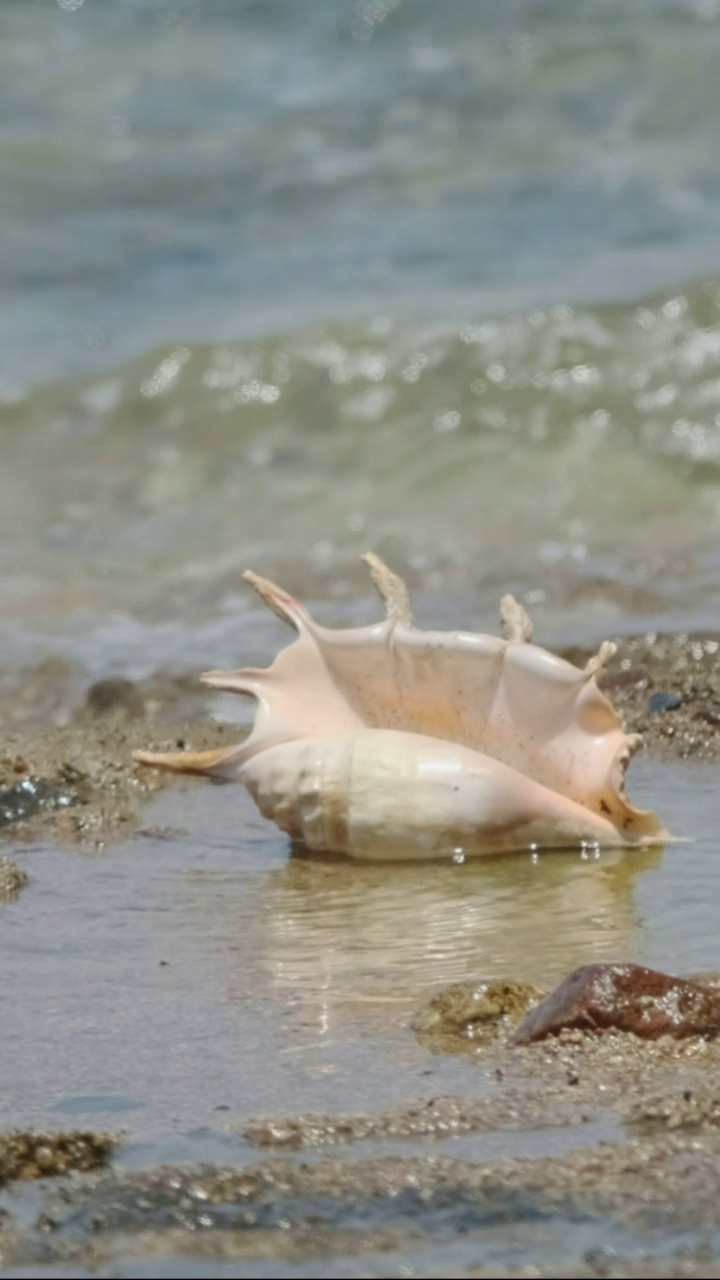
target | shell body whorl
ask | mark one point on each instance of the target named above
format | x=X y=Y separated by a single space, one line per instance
x=391 y=742
x=384 y=794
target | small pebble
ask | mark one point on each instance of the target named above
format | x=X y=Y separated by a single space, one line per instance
x=663 y=701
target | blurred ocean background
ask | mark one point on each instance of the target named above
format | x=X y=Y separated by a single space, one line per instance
x=284 y=281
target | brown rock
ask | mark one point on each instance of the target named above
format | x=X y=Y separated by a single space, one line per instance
x=624 y=997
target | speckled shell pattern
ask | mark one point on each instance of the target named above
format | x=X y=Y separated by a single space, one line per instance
x=390 y=742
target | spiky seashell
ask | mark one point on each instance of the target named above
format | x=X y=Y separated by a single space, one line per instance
x=391 y=742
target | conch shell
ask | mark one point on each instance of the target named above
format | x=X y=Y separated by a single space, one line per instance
x=388 y=742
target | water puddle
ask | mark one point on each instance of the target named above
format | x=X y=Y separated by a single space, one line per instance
x=196 y=979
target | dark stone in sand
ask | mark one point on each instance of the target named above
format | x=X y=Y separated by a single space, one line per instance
x=32 y=795
x=624 y=997
x=710 y=715
x=663 y=701
x=115 y=693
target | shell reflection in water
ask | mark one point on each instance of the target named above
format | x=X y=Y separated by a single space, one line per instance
x=341 y=943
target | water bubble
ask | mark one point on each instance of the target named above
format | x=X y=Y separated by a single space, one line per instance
x=458 y=855
x=534 y=849
x=370 y=14
x=71 y=5
x=166 y=373
x=448 y=421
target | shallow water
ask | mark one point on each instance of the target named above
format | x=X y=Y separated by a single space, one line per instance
x=285 y=282
x=287 y=985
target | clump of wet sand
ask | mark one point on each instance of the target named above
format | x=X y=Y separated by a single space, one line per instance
x=12 y=880
x=26 y=1156
x=90 y=790
x=667 y=688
